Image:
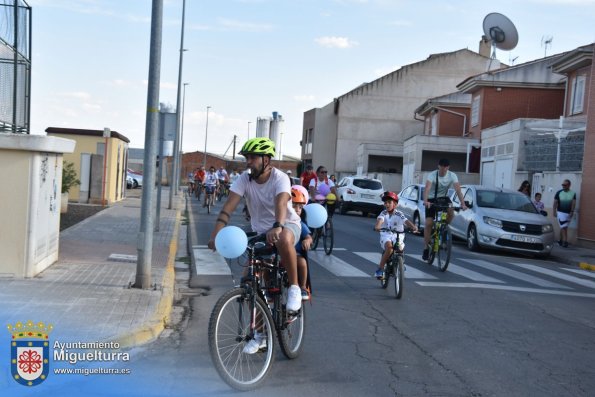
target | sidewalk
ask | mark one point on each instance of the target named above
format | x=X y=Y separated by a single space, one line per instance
x=574 y=256
x=85 y=295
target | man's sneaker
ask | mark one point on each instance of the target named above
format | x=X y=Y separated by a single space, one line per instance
x=259 y=342
x=565 y=244
x=379 y=274
x=305 y=295
x=560 y=243
x=425 y=255
x=294 y=298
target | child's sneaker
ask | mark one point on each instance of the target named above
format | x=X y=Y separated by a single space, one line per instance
x=379 y=274
x=305 y=295
x=258 y=342
x=294 y=298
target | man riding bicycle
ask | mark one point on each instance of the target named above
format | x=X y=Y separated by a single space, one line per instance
x=268 y=197
x=436 y=193
x=392 y=219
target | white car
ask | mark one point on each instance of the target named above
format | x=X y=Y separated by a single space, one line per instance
x=359 y=193
x=133 y=179
x=411 y=204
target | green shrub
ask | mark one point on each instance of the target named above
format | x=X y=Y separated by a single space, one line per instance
x=69 y=177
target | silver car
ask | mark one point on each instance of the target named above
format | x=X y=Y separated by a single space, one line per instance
x=501 y=219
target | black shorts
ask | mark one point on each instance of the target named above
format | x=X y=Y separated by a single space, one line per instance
x=441 y=201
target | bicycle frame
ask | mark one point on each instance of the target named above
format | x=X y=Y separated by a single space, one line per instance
x=440 y=238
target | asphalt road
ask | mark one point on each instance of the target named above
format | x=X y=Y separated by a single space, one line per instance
x=491 y=325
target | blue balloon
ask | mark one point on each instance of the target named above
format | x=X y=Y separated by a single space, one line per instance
x=231 y=242
x=315 y=215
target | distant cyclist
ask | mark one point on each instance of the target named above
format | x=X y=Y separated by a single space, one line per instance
x=436 y=192
x=211 y=183
x=391 y=219
x=321 y=183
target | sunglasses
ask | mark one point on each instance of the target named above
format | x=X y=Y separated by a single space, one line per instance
x=565 y=185
x=324 y=172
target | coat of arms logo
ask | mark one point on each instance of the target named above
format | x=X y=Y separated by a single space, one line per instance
x=29 y=352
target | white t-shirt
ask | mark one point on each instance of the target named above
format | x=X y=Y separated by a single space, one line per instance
x=233 y=177
x=210 y=179
x=396 y=221
x=260 y=199
x=316 y=184
x=444 y=183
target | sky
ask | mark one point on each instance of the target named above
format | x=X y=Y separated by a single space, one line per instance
x=248 y=58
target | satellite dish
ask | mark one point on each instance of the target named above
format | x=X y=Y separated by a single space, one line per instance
x=500 y=31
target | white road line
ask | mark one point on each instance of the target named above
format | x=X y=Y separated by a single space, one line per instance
x=587 y=273
x=514 y=274
x=556 y=274
x=335 y=265
x=410 y=271
x=209 y=263
x=471 y=275
x=503 y=287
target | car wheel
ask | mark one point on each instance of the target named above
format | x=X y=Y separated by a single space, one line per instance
x=342 y=207
x=134 y=184
x=365 y=214
x=472 y=243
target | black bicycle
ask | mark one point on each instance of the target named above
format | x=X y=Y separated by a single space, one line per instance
x=327 y=233
x=255 y=310
x=394 y=267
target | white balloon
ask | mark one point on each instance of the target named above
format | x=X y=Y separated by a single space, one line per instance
x=315 y=215
x=231 y=242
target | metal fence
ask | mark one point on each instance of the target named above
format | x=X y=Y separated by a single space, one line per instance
x=15 y=66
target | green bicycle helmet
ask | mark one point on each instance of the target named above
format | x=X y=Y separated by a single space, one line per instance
x=262 y=146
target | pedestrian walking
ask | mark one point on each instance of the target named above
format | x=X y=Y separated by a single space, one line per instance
x=564 y=205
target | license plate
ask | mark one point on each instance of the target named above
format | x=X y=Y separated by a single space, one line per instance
x=524 y=239
x=368 y=196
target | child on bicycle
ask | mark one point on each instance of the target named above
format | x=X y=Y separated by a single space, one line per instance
x=391 y=219
x=298 y=200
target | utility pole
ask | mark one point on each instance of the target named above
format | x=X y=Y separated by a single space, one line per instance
x=145 y=235
x=204 y=161
x=173 y=188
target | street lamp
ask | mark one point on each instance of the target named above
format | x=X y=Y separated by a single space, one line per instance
x=204 y=162
x=182 y=127
x=249 y=122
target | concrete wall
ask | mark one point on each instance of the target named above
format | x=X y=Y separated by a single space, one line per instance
x=382 y=111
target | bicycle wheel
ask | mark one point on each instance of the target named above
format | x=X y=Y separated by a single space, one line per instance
x=431 y=253
x=209 y=202
x=229 y=331
x=386 y=275
x=444 y=248
x=328 y=238
x=315 y=238
x=291 y=331
x=399 y=276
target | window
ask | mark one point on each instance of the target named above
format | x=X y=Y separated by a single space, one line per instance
x=475 y=111
x=578 y=95
x=367 y=184
x=308 y=141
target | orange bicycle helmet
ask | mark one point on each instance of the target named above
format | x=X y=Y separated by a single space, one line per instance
x=390 y=196
x=297 y=196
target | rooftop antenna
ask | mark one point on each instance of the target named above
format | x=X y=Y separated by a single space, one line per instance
x=511 y=60
x=546 y=41
x=500 y=32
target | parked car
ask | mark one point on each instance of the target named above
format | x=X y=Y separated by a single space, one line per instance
x=358 y=193
x=502 y=219
x=411 y=204
x=133 y=179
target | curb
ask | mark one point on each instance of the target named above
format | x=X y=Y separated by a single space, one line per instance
x=152 y=328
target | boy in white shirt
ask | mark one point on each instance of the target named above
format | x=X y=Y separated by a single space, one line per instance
x=394 y=220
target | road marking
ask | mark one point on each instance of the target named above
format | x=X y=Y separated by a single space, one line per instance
x=209 y=263
x=470 y=274
x=514 y=274
x=410 y=271
x=335 y=265
x=587 y=273
x=556 y=274
x=503 y=287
